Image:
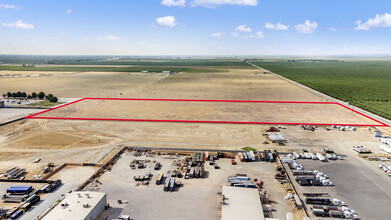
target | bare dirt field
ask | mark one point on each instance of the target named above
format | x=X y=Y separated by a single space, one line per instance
x=279 y=113
x=78 y=84
x=235 y=84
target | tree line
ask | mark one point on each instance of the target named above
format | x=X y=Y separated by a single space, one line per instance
x=34 y=95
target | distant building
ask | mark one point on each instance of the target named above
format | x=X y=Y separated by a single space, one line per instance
x=166 y=72
x=83 y=205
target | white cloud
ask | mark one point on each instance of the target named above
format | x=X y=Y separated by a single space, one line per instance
x=167 y=21
x=332 y=29
x=278 y=26
x=379 y=21
x=19 y=25
x=85 y=39
x=248 y=37
x=68 y=11
x=243 y=28
x=109 y=38
x=214 y=3
x=180 y=3
x=259 y=34
x=217 y=34
x=234 y=34
x=8 y=6
x=307 y=27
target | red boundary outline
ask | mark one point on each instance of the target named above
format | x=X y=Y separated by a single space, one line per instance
x=34 y=116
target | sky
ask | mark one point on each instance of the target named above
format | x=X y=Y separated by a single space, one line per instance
x=196 y=27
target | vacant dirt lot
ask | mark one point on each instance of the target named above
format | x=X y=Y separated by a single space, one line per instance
x=78 y=84
x=244 y=84
x=210 y=111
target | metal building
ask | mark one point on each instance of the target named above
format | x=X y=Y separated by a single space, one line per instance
x=83 y=205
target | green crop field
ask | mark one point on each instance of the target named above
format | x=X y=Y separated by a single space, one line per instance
x=93 y=64
x=365 y=84
x=102 y=60
x=114 y=68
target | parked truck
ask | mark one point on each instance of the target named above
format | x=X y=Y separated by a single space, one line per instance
x=167 y=184
x=172 y=184
x=159 y=179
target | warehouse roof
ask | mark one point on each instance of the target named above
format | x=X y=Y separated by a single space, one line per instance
x=73 y=206
x=241 y=203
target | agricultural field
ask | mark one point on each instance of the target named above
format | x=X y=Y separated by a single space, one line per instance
x=365 y=84
x=100 y=64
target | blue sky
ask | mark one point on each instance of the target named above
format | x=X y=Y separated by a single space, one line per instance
x=195 y=27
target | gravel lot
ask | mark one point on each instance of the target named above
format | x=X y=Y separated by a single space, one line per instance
x=197 y=199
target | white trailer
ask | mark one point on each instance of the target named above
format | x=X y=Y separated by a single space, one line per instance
x=320 y=157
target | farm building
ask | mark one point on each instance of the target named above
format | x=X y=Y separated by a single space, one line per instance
x=241 y=203
x=79 y=205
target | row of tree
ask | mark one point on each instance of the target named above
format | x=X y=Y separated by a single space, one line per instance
x=40 y=95
x=28 y=66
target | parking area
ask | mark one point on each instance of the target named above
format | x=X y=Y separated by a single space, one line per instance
x=362 y=188
x=197 y=198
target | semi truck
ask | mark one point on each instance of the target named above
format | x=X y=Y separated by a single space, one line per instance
x=159 y=179
x=172 y=184
x=167 y=184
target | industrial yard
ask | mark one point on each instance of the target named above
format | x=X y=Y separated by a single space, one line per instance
x=196 y=198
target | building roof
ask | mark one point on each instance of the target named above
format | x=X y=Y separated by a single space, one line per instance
x=241 y=203
x=72 y=206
